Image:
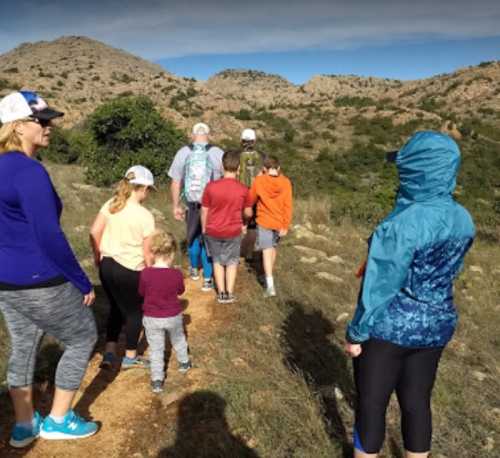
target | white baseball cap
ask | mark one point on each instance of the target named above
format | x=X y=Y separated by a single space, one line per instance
x=201 y=129
x=248 y=134
x=141 y=176
x=25 y=104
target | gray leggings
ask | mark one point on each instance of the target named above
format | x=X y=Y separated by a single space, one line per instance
x=155 y=333
x=59 y=312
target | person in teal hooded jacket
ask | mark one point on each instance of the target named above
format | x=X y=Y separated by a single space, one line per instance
x=405 y=313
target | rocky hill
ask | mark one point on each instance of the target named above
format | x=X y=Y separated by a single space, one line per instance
x=78 y=73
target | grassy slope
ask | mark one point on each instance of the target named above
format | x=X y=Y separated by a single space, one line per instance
x=280 y=384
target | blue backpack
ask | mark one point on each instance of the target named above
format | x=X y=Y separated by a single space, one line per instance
x=198 y=171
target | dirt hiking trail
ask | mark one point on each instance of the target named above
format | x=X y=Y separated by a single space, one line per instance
x=122 y=401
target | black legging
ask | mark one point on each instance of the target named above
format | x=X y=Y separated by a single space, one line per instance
x=121 y=286
x=382 y=368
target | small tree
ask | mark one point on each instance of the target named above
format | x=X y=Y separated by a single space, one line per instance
x=128 y=131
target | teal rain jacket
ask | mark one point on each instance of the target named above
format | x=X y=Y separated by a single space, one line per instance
x=406 y=296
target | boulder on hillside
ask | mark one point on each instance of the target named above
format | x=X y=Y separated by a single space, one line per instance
x=329 y=277
x=310 y=251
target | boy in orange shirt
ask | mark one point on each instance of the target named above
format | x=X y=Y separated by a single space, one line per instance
x=272 y=191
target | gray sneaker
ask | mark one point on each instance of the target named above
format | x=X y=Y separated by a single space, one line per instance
x=270 y=292
x=184 y=367
x=230 y=298
x=208 y=285
x=194 y=273
x=222 y=298
x=157 y=386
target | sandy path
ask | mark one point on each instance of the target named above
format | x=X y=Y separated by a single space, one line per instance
x=120 y=400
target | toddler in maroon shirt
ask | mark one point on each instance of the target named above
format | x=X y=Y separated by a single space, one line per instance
x=160 y=285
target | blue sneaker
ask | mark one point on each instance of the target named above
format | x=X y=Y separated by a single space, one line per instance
x=73 y=427
x=135 y=363
x=22 y=437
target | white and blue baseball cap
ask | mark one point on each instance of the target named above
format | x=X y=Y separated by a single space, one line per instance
x=25 y=104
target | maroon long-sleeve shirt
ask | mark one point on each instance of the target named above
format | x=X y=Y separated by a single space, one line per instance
x=160 y=287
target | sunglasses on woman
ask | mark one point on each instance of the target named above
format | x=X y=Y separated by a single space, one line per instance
x=42 y=122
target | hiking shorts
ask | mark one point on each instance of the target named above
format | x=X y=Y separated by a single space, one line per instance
x=266 y=238
x=224 y=251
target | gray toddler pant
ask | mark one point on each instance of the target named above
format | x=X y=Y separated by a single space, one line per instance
x=59 y=312
x=155 y=333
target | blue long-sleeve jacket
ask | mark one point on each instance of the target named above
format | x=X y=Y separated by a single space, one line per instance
x=406 y=296
x=33 y=247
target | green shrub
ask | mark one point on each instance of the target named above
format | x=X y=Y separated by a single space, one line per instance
x=289 y=135
x=122 y=77
x=354 y=101
x=168 y=89
x=127 y=131
x=62 y=148
x=243 y=115
x=6 y=84
x=474 y=126
x=272 y=121
x=41 y=74
x=191 y=92
x=431 y=104
x=451 y=87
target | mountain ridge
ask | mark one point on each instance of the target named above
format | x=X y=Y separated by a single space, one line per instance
x=78 y=73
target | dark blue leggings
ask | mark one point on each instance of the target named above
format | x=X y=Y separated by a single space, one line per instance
x=381 y=369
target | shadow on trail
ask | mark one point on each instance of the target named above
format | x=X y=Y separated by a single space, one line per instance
x=203 y=432
x=310 y=352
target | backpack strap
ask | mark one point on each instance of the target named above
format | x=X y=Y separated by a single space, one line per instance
x=208 y=146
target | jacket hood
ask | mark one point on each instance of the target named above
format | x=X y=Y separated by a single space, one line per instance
x=428 y=165
x=273 y=185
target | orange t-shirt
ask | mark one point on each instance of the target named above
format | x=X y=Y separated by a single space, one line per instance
x=273 y=195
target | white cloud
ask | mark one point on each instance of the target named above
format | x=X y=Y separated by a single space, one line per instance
x=157 y=29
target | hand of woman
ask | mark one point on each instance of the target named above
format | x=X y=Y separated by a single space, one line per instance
x=283 y=232
x=353 y=350
x=88 y=299
x=179 y=213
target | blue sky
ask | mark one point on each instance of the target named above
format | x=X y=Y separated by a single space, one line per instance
x=409 y=60
x=402 y=39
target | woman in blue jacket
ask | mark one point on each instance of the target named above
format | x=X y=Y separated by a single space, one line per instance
x=42 y=287
x=405 y=313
